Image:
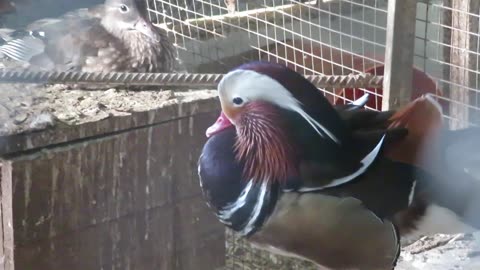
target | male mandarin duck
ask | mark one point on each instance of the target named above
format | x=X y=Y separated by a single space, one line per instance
x=113 y=36
x=296 y=176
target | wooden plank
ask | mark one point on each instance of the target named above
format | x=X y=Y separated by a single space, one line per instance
x=2 y=243
x=67 y=188
x=462 y=59
x=112 y=125
x=69 y=197
x=191 y=134
x=142 y=240
x=7 y=217
x=207 y=253
x=446 y=50
x=399 y=51
x=194 y=222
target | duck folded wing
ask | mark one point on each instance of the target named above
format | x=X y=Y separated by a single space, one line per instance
x=53 y=42
x=112 y=37
x=338 y=233
x=21 y=45
x=328 y=164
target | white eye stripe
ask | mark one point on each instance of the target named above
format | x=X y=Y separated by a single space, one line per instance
x=253 y=85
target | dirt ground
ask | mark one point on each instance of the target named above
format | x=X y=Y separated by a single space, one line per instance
x=28 y=107
x=442 y=252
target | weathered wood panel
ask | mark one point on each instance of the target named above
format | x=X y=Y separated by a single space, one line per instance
x=2 y=243
x=463 y=59
x=127 y=199
x=141 y=240
x=34 y=140
x=66 y=188
x=204 y=253
x=6 y=209
x=399 y=52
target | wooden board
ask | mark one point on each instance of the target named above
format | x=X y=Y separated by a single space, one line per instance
x=123 y=195
x=6 y=209
x=162 y=111
x=462 y=59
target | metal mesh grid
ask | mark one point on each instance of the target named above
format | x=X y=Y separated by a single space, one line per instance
x=336 y=37
x=447 y=48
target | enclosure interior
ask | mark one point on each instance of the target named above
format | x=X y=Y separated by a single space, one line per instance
x=330 y=37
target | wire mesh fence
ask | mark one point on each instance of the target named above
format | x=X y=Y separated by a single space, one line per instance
x=332 y=37
x=447 y=48
x=336 y=37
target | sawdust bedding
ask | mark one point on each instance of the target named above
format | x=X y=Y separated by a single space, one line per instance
x=30 y=107
x=437 y=252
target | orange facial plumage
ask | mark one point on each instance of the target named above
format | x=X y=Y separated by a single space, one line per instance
x=263 y=144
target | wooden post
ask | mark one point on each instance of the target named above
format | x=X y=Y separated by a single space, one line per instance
x=446 y=50
x=461 y=58
x=6 y=222
x=397 y=84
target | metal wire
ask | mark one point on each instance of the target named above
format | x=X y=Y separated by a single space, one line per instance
x=313 y=38
x=170 y=79
x=448 y=49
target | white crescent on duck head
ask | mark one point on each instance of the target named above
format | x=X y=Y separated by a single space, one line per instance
x=278 y=86
x=267 y=103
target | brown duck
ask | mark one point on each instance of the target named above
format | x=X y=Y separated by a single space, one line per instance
x=113 y=36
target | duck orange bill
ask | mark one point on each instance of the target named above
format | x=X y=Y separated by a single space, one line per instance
x=222 y=123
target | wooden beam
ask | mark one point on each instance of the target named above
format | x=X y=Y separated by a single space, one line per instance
x=2 y=243
x=28 y=140
x=446 y=50
x=6 y=221
x=397 y=84
x=462 y=58
x=129 y=200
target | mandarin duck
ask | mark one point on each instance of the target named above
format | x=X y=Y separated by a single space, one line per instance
x=110 y=37
x=294 y=175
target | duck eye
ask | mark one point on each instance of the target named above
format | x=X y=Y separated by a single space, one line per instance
x=123 y=8
x=237 y=101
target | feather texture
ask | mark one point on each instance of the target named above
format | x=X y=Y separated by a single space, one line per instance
x=262 y=140
x=103 y=38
